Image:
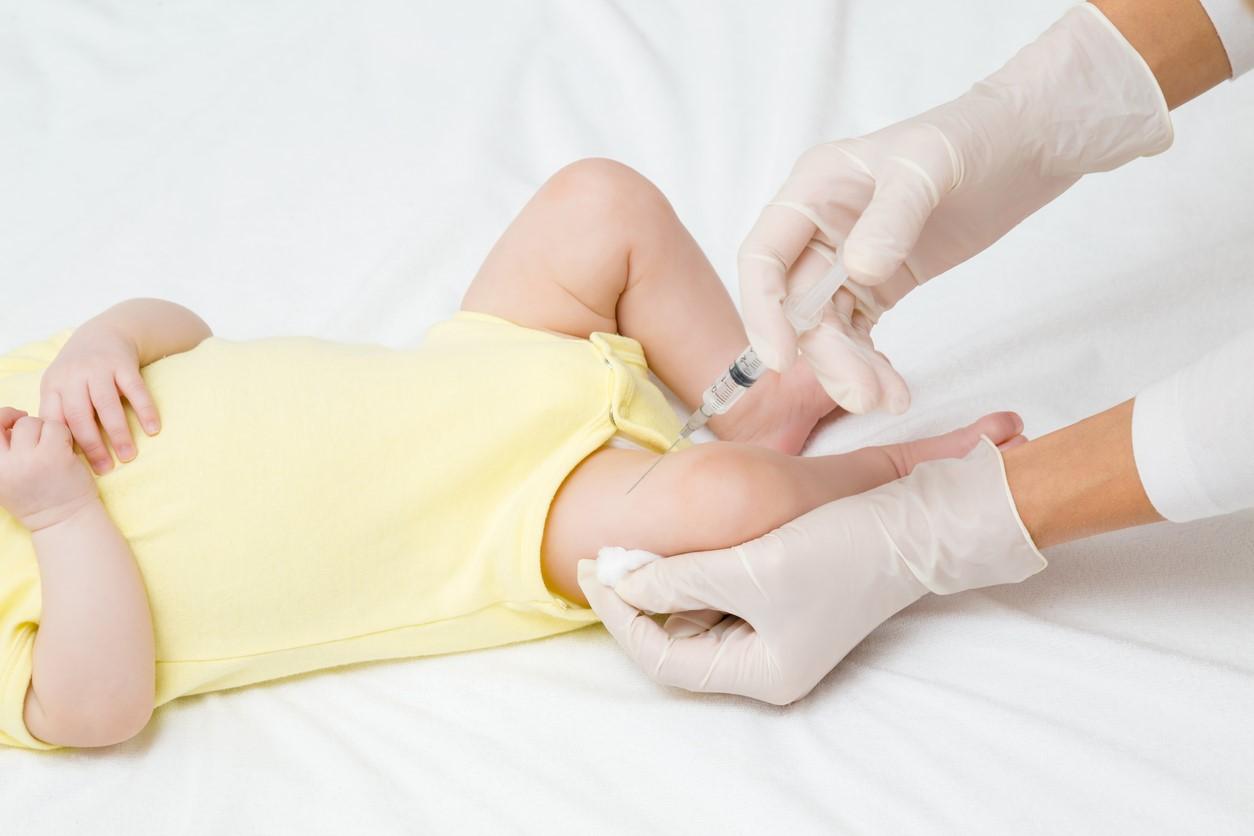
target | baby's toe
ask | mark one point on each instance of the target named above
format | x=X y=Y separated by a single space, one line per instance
x=1000 y=427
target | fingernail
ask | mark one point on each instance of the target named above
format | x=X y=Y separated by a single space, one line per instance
x=151 y=426
x=1018 y=425
x=126 y=451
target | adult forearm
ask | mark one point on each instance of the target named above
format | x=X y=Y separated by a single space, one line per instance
x=157 y=327
x=93 y=665
x=1080 y=480
x=1083 y=479
x=1177 y=40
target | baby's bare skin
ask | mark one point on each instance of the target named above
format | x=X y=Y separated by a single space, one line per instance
x=93 y=664
x=600 y=249
x=597 y=249
x=92 y=667
x=721 y=494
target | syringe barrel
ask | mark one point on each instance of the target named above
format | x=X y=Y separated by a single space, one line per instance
x=733 y=383
x=804 y=308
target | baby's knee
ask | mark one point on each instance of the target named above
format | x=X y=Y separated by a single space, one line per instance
x=731 y=493
x=606 y=189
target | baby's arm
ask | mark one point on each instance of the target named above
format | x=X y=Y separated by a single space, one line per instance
x=93 y=671
x=100 y=363
x=157 y=328
x=93 y=668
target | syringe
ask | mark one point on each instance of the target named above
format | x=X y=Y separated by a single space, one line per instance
x=803 y=310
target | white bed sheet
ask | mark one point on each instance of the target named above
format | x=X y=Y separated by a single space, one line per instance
x=340 y=169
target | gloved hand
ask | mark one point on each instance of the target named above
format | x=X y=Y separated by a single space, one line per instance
x=916 y=198
x=801 y=597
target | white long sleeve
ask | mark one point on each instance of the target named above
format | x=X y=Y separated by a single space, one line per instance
x=1193 y=435
x=1234 y=21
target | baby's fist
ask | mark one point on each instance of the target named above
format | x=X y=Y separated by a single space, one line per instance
x=42 y=480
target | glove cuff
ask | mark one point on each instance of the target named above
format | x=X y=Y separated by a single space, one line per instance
x=1084 y=96
x=962 y=530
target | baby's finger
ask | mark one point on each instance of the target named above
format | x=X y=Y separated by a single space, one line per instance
x=131 y=382
x=50 y=406
x=25 y=433
x=80 y=417
x=104 y=395
x=8 y=417
x=54 y=432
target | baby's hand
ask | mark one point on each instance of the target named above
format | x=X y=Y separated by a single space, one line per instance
x=42 y=481
x=84 y=380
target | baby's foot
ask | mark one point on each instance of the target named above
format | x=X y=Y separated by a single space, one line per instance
x=1002 y=428
x=779 y=412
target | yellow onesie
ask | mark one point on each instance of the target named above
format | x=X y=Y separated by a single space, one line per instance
x=310 y=503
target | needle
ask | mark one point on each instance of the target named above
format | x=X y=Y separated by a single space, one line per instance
x=802 y=309
x=655 y=463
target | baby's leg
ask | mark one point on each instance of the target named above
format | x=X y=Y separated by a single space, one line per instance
x=598 y=248
x=717 y=495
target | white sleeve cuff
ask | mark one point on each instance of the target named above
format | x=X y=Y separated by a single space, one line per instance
x=1191 y=435
x=1162 y=456
x=1234 y=21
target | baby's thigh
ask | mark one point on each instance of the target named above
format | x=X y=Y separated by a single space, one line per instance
x=708 y=496
x=564 y=260
x=591 y=510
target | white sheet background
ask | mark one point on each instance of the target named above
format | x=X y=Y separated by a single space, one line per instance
x=340 y=169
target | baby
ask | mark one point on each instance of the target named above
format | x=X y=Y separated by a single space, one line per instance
x=291 y=504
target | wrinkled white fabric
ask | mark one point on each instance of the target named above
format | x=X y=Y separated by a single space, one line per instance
x=912 y=200
x=302 y=168
x=1193 y=435
x=1234 y=21
x=801 y=597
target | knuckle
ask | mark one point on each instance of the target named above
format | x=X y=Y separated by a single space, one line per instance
x=815 y=156
x=785 y=688
x=760 y=259
x=77 y=369
x=102 y=386
x=823 y=159
x=778 y=697
x=745 y=250
x=78 y=412
x=55 y=428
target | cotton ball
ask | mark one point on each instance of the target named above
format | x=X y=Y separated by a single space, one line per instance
x=613 y=562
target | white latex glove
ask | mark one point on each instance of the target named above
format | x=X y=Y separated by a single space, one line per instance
x=801 y=597
x=908 y=202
